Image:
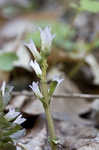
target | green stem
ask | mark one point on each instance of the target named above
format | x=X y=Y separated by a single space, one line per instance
x=50 y=127
x=46 y=105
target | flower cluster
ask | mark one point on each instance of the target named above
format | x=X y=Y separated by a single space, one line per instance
x=12 y=114
x=46 y=39
x=10 y=123
x=46 y=42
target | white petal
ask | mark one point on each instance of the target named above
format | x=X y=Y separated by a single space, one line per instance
x=57 y=79
x=36 y=67
x=19 y=120
x=3 y=88
x=36 y=89
x=11 y=114
x=46 y=38
x=33 y=50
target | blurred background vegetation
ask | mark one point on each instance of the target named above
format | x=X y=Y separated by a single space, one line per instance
x=75 y=24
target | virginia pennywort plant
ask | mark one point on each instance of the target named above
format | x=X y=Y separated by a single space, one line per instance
x=42 y=91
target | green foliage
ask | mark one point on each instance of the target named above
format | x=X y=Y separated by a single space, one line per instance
x=6 y=61
x=63 y=35
x=89 y=5
x=52 y=88
x=7 y=145
x=8 y=130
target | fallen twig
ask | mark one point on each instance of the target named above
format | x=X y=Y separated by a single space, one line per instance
x=66 y=95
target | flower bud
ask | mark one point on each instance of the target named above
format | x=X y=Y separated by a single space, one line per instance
x=36 y=68
x=36 y=89
x=33 y=50
x=46 y=39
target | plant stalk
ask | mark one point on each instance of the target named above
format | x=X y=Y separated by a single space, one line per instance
x=50 y=127
x=46 y=105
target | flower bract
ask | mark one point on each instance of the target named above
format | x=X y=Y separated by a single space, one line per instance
x=46 y=39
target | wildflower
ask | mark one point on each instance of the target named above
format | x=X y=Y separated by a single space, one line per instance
x=19 y=120
x=3 y=88
x=57 y=79
x=36 y=89
x=11 y=114
x=33 y=50
x=46 y=39
x=36 y=68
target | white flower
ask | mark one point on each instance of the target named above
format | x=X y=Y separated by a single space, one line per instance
x=36 y=68
x=57 y=79
x=19 y=120
x=36 y=89
x=3 y=88
x=46 y=38
x=11 y=114
x=33 y=50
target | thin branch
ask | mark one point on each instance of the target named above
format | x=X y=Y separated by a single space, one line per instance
x=66 y=95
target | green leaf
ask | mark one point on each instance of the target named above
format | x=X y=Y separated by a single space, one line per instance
x=1 y=104
x=7 y=146
x=52 y=88
x=4 y=123
x=89 y=5
x=11 y=130
x=6 y=61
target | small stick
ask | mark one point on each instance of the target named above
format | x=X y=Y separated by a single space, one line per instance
x=66 y=95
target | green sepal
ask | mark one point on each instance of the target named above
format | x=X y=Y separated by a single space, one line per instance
x=52 y=88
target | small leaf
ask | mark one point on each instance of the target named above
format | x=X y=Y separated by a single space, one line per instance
x=52 y=87
x=11 y=130
x=6 y=61
x=4 y=123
